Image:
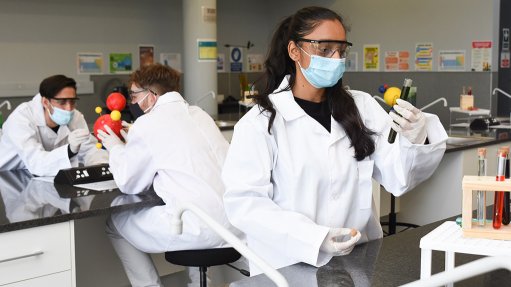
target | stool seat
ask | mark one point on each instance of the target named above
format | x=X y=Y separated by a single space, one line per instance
x=203 y=257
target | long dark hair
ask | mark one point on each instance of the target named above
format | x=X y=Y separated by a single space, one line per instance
x=278 y=64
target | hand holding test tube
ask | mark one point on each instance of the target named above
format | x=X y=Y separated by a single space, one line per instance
x=404 y=96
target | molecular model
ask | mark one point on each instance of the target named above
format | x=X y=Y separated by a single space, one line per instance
x=390 y=94
x=115 y=102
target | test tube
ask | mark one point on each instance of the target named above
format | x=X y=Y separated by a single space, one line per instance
x=506 y=214
x=405 y=91
x=481 y=195
x=498 y=204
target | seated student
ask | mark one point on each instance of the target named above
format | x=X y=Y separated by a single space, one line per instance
x=178 y=150
x=47 y=133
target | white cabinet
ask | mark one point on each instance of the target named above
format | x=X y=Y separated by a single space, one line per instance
x=60 y=279
x=35 y=253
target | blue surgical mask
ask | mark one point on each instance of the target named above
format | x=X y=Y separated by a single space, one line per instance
x=323 y=72
x=61 y=117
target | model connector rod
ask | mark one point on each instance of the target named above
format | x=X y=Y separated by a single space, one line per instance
x=404 y=96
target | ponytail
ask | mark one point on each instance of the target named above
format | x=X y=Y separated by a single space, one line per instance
x=345 y=112
x=278 y=65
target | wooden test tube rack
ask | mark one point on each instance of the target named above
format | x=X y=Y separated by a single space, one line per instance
x=470 y=185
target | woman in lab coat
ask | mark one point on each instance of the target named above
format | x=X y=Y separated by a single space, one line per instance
x=178 y=150
x=48 y=134
x=299 y=168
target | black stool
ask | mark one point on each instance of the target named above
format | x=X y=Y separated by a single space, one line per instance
x=203 y=259
x=393 y=223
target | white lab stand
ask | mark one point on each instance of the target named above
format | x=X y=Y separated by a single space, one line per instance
x=468 y=117
x=448 y=238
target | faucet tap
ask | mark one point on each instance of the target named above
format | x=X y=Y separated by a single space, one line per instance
x=6 y=103
x=501 y=91
x=380 y=99
x=434 y=102
x=210 y=93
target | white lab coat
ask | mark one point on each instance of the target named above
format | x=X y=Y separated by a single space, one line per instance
x=285 y=190
x=180 y=151
x=28 y=143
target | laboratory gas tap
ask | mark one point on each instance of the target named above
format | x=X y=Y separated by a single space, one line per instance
x=6 y=103
x=434 y=102
x=501 y=91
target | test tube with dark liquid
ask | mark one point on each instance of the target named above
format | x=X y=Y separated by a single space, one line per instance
x=506 y=214
x=405 y=90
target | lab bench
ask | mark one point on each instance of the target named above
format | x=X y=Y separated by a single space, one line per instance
x=440 y=196
x=392 y=261
x=38 y=224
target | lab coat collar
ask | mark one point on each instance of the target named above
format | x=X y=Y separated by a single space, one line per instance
x=62 y=134
x=285 y=103
x=337 y=132
x=169 y=97
x=38 y=110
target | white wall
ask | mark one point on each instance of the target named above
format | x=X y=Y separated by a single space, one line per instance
x=240 y=21
x=41 y=38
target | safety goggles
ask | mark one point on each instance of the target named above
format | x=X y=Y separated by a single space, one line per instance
x=65 y=101
x=327 y=48
x=133 y=94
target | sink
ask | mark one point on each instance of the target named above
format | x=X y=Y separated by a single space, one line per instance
x=225 y=124
x=464 y=141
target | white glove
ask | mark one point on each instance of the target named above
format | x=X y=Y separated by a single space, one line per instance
x=125 y=129
x=411 y=124
x=334 y=244
x=108 y=138
x=76 y=138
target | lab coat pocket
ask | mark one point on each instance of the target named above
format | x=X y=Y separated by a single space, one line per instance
x=365 y=186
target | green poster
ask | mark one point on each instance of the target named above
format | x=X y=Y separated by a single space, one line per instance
x=120 y=63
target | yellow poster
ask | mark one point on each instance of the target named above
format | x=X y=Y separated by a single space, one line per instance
x=207 y=50
x=371 y=58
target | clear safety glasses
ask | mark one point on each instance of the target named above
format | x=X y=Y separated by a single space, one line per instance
x=65 y=101
x=327 y=48
x=133 y=94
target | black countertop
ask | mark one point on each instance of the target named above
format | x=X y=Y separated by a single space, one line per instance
x=491 y=137
x=391 y=261
x=26 y=201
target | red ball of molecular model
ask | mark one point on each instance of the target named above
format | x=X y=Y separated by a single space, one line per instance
x=115 y=103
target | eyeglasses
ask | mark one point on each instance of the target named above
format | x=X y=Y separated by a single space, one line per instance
x=64 y=101
x=133 y=93
x=327 y=48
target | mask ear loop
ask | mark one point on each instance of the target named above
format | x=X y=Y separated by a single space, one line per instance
x=304 y=52
x=47 y=108
x=151 y=107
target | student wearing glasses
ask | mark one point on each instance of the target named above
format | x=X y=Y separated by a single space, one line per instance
x=299 y=168
x=47 y=133
x=177 y=149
